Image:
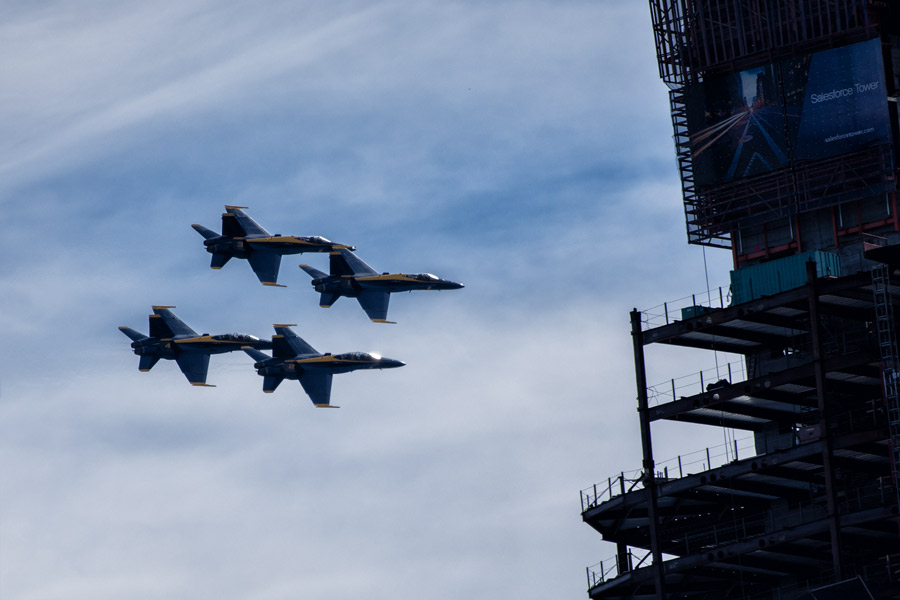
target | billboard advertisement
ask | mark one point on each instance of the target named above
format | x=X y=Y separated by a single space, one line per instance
x=808 y=108
x=736 y=126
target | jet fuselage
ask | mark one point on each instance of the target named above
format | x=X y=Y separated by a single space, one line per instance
x=244 y=238
x=241 y=247
x=170 y=338
x=352 y=285
x=207 y=344
x=292 y=368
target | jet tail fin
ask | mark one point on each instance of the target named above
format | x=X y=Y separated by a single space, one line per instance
x=344 y=262
x=206 y=233
x=270 y=382
x=312 y=272
x=255 y=354
x=135 y=336
x=243 y=221
x=218 y=260
x=147 y=361
x=327 y=299
x=286 y=343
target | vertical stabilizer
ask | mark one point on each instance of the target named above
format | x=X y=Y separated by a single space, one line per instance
x=246 y=224
x=344 y=262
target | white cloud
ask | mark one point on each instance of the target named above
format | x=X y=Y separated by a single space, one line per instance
x=521 y=148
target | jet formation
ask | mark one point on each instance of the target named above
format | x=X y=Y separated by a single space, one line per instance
x=292 y=357
x=242 y=237
x=352 y=277
x=172 y=339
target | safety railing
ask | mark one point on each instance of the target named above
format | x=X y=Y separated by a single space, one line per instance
x=610 y=568
x=696 y=383
x=685 y=308
x=673 y=468
x=723 y=531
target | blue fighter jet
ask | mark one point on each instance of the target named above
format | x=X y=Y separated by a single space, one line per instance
x=352 y=277
x=170 y=338
x=293 y=358
x=242 y=237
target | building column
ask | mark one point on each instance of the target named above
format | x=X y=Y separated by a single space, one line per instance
x=834 y=522
x=648 y=472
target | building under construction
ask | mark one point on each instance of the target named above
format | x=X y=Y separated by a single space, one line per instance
x=786 y=128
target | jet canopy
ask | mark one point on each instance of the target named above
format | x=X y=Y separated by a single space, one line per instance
x=426 y=277
x=360 y=356
x=236 y=337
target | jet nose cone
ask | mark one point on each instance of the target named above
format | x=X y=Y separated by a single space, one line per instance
x=390 y=363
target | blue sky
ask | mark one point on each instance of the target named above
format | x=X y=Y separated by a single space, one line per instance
x=523 y=148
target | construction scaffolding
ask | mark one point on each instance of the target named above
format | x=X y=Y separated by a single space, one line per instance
x=809 y=499
x=812 y=501
x=697 y=40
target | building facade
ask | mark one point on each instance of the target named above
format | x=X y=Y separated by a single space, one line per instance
x=787 y=134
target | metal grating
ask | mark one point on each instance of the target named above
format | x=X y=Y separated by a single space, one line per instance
x=713 y=214
x=699 y=38
x=696 y=36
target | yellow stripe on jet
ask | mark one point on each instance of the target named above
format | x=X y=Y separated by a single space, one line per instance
x=315 y=359
x=389 y=277
x=206 y=338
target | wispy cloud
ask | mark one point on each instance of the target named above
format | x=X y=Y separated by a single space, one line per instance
x=522 y=147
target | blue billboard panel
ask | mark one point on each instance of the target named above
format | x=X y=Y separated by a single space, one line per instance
x=844 y=105
x=809 y=108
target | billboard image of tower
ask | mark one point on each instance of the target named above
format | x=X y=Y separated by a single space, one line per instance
x=787 y=133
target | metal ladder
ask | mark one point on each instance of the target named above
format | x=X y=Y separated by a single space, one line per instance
x=887 y=345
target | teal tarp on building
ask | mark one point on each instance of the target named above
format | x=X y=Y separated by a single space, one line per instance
x=770 y=278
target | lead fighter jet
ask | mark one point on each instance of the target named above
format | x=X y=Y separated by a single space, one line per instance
x=170 y=338
x=242 y=237
x=293 y=358
x=352 y=277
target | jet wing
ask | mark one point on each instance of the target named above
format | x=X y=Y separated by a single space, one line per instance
x=194 y=365
x=265 y=264
x=375 y=303
x=317 y=385
x=164 y=324
x=287 y=344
